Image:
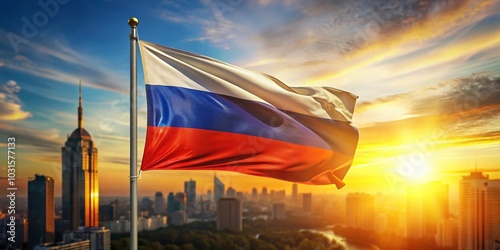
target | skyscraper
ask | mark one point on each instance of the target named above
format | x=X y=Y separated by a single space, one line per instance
x=218 y=189
x=295 y=194
x=231 y=192
x=229 y=214
x=307 y=202
x=360 y=211
x=80 y=185
x=263 y=195
x=479 y=212
x=159 y=203
x=255 y=194
x=426 y=206
x=171 y=206
x=41 y=210
x=190 y=191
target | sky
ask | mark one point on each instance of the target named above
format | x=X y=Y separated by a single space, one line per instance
x=427 y=74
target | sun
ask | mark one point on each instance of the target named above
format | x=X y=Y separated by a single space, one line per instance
x=416 y=171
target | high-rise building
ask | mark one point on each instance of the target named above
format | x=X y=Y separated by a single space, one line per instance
x=218 y=189
x=426 y=206
x=80 y=185
x=209 y=195
x=479 y=212
x=280 y=195
x=178 y=216
x=255 y=194
x=41 y=210
x=447 y=234
x=190 y=191
x=360 y=211
x=159 y=203
x=295 y=192
x=229 y=214
x=263 y=195
x=147 y=205
x=278 y=212
x=171 y=206
x=231 y=192
x=107 y=212
x=307 y=202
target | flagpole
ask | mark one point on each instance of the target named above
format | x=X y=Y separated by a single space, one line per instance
x=133 y=22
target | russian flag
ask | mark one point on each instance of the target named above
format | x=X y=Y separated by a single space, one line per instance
x=204 y=114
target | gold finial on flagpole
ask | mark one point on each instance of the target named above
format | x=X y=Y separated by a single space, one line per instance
x=133 y=22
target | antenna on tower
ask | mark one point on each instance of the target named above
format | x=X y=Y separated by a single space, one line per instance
x=80 y=108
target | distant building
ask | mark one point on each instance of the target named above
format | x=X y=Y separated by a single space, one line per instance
x=147 y=205
x=229 y=214
x=190 y=191
x=177 y=214
x=177 y=218
x=209 y=195
x=307 y=202
x=278 y=212
x=426 y=206
x=263 y=195
x=100 y=237
x=272 y=195
x=240 y=196
x=218 y=189
x=231 y=192
x=280 y=195
x=159 y=203
x=360 y=211
x=41 y=210
x=479 y=214
x=107 y=212
x=80 y=185
x=381 y=222
x=171 y=206
x=295 y=192
x=447 y=234
x=255 y=194
x=75 y=245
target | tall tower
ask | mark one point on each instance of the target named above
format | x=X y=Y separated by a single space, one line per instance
x=218 y=189
x=41 y=210
x=80 y=185
x=427 y=205
x=479 y=216
x=360 y=211
x=190 y=190
x=295 y=192
x=159 y=203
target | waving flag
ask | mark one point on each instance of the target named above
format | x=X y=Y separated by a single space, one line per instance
x=204 y=114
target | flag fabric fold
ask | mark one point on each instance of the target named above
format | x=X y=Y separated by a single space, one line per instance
x=204 y=114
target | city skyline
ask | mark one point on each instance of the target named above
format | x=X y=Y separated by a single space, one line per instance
x=430 y=82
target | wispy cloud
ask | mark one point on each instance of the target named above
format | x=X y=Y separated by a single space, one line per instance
x=61 y=63
x=214 y=28
x=10 y=104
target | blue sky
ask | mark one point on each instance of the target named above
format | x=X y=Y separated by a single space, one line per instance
x=419 y=67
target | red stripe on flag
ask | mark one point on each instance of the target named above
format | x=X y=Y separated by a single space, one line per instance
x=198 y=149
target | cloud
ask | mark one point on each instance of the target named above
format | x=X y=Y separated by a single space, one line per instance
x=10 y=105
x=461 y=95
x=61 y=63
x=46 y=141
x=461 y=112
x=215 y=28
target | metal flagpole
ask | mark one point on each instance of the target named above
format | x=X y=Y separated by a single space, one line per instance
x=133 y=22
